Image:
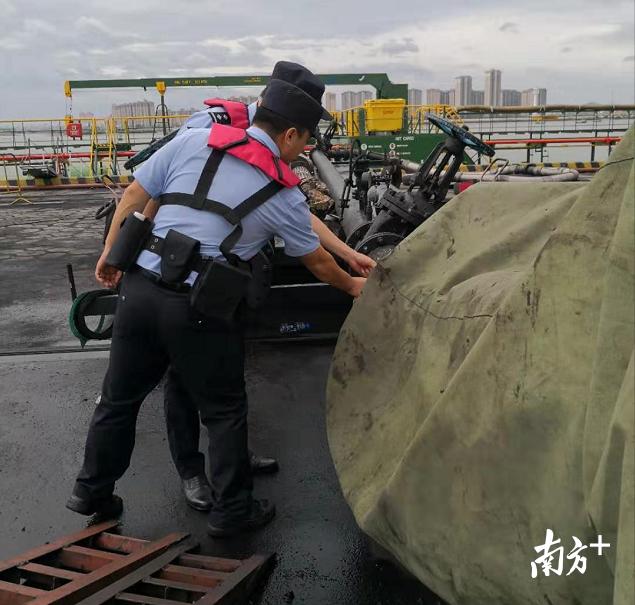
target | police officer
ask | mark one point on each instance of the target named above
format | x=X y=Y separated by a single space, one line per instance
x=219 y=206
x=181 y=414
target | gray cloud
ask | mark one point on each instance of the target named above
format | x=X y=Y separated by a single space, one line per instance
x=146 y=38
x=396 y=47
x=508 y=26
x=616 y=34
x=252 y=45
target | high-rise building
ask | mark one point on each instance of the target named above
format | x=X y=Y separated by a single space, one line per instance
x=330 y=101
x=493 y=88
x=534 y=97
x=510 y=97
x=415 y=96
x=347 y=99
x=136 y=109
x=478 y=97
x=462 y=90
x=433 y=96
x=355 y=99
x=526 y=97
x=542 y=96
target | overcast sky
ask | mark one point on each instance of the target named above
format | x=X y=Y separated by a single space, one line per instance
x=581 y=51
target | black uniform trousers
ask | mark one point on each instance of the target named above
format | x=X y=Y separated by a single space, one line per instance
x=155 y=328
x=183 y=427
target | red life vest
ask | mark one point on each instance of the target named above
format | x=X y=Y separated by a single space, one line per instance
x=237 y=142
x=237 y=111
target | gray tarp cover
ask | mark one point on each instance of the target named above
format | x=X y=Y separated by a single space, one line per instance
x=482 y=392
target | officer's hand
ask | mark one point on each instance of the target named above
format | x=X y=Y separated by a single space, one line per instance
x=360 y=263
x=106 y=274
x=356 y=287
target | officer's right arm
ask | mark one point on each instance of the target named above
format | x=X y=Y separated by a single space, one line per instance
x=294 y=225
x=323 y=266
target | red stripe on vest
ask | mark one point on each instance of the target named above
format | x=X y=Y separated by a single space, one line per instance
x=237 y=111
x=238 y=143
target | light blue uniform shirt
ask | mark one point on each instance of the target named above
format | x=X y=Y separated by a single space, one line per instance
x=177 y=167
x=205 y=118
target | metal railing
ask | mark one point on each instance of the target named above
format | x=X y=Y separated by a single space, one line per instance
x=103 y=142
x=107 y=141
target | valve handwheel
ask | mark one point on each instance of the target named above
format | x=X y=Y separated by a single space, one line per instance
x=466 y=137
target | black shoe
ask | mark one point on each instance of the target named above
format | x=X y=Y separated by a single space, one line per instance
x=260 y=465
x=198 y=492
x=262 y=511
x=105 y=508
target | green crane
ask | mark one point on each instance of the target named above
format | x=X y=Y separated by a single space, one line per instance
x=382 y=84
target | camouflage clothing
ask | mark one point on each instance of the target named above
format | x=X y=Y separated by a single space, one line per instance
x=317 y=194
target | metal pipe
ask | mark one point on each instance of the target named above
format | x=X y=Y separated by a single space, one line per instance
x=514 y=174
x=330 y=177
x=60 y=156
x=351 y=217
x=555 y=176
x=565 y=141
x=409 y=167
x=406 y=165
x=541 y=108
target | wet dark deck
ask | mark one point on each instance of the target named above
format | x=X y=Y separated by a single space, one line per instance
x=46 y=401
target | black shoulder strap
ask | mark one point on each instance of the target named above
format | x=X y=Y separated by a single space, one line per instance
x=241 y=211
x=207 y=175
x=187 y=199
x=199 y=201
x=257 y=199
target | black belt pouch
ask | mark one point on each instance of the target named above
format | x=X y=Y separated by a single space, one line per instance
x=219 y=289
x=130 y=241
x=177 y=257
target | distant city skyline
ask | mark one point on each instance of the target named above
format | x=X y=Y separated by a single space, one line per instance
x=463 y=93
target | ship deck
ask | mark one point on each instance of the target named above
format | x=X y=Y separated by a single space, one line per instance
x=47 y=393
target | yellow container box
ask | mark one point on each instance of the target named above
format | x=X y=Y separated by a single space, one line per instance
x=384 y=115
x=351 y=121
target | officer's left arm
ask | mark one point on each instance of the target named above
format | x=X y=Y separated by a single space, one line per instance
x=134 y=199
x=151 y=209
x=149 y=183
x=360 y=263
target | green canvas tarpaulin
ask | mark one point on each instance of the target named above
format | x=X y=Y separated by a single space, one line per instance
x=481 y=393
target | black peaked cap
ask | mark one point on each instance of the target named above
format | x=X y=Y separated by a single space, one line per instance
x=293 y=103
x=300 y=76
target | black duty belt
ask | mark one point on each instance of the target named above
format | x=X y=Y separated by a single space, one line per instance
x=156 y=279
x=155 y=244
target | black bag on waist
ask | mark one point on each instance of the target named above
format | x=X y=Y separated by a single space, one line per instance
x=219 y=289
x=178 y=256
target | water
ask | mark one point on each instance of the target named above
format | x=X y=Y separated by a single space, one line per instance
x=39 y=139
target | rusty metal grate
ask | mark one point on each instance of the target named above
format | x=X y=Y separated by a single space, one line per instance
x=96 y=566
